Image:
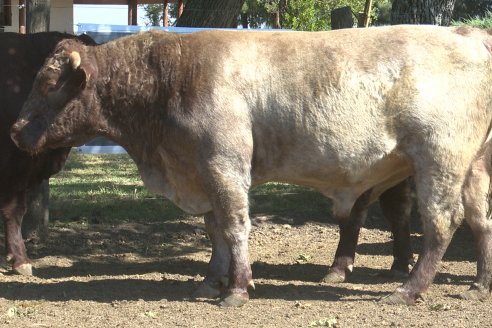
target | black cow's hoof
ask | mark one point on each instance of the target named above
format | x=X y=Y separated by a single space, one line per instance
x=333 y=278
x=206 y=291
x=235 y=300
x=23 y=269
x=397 y=298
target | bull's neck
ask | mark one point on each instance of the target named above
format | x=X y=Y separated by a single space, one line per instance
x=133 y=85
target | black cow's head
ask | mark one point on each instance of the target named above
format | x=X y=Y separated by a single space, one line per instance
x=59 y=111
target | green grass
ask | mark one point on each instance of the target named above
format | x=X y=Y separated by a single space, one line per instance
x=105 y=188
x=108 y=188
x=485 y=22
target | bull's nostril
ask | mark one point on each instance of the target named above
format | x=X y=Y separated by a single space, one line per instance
x=15 y=130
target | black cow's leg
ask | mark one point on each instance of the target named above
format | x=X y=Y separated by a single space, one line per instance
x=440 y=203
x=396 y=205
x=13 y=210
x=349 y=233
x=476 y=197
x=218 y=267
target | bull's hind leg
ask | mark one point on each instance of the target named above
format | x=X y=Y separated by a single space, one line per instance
x=13 y=210
x=396 y=205
x=218 y=267
x=476 y=194
x=349 y=233
x=439 y=198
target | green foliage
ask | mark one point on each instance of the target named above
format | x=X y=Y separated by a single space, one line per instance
x=382 y=13
x=257 y=13
x=485 y=22
x=154 y=13
x=307 y=15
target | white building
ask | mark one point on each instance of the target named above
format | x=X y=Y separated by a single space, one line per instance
x=61 y=16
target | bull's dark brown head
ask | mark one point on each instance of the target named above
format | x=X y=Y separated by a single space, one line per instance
x=57 y=112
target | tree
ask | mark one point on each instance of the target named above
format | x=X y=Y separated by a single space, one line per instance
x=434 y=12
x=211 y=13
x=466 y=9
x=154 y=13
x=312 y=15
x=382 y=10
x=254 y=14
x=38 y=16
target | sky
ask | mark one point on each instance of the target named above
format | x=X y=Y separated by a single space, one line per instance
x=104 y=14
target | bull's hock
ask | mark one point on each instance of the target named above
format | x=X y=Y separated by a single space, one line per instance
x=350 y=113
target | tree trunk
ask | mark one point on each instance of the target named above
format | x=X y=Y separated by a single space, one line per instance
x=434 y=12
x=37 y=16
x=36 y=218
x=211 y=13
x=342 y=18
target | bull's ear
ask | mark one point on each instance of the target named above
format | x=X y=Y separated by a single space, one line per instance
x=76 y=81
x=77 y=77
x=71 y=82
x=74 y=59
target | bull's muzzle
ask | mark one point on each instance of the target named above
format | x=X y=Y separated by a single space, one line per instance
x=30 y=141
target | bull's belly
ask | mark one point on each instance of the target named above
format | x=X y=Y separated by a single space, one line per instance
x=180 y=190
x=344 y=186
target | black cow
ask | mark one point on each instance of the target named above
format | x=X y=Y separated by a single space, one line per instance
x=21 y=56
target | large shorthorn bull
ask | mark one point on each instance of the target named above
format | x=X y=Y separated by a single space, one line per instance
x=350 y=113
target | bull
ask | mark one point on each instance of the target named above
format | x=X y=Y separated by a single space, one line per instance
x=350 y=113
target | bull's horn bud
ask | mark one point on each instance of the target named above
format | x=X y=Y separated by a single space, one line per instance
x=75 y=59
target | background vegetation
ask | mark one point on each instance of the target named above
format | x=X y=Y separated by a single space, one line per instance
x=314 y=15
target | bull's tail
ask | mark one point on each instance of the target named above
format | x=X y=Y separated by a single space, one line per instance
x=488 y=158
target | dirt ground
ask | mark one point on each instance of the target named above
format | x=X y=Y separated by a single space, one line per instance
x=90 y=274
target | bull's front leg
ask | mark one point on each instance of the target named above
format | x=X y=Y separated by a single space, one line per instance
x=228 y=184
x=13 y=210
x=218 y=268
x=236 y=226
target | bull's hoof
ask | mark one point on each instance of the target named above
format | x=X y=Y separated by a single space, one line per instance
x=235 y=300
x=206 y=291
x=475 y=294
x=23 y=269
x=397 y=298
x=333 y=278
